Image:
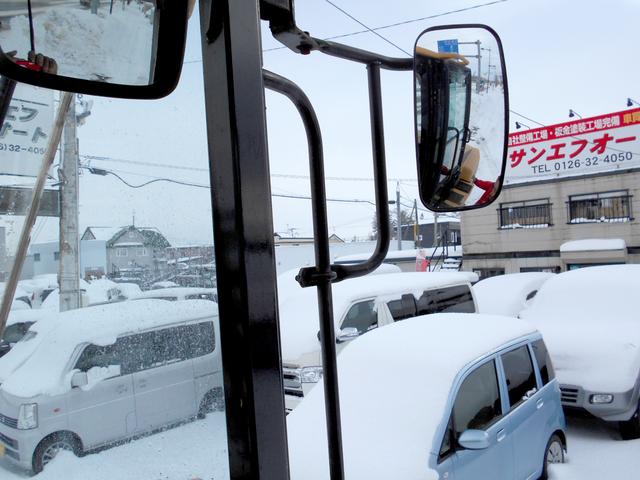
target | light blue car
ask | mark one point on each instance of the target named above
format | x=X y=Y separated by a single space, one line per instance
x=444 y=396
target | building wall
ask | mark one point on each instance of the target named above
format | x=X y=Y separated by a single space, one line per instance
x=93 y=258
x=44 y=257
x=485 y=245
x=129 y=251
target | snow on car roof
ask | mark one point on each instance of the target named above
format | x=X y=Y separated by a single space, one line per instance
x=42 y=372
x=589 y=318
x=394 y=386
x=179 y=292
x=507 y=294
x=299 y=318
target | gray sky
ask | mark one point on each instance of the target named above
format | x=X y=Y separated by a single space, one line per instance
x=559 y=55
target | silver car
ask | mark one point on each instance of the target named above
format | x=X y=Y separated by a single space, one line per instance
x=98 y=375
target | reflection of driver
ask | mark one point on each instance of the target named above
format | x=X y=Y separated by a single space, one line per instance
x=35 y=61
x=490 y=189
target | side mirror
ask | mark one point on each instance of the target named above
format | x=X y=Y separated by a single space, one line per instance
x=128 y=50
x=461 y=105
x=474 y=439
x=79 y=379
x=347 y=334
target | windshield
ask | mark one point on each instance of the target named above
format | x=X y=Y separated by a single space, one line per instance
x=458 y=114
x=14 y=333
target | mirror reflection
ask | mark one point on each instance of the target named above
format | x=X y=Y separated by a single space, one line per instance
x=460 y=100
x=111 y=41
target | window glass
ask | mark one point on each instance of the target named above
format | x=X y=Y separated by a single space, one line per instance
x=447 y=446
x=14 y=333
x=519 y=373
x=361 y=316
x=455 y=299
x=477 y=404
x=98 y=356
x=203 y=340
x=544 y=361
x=403 y=308
x=201 y=296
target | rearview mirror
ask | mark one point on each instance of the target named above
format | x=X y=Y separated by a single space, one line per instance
x=461 y=105
x=117 y=49
x=474 y=439
x=348 y=334
x=79 y=379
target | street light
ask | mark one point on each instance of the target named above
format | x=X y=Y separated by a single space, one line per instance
x=573 y=113
x=520 y=125
x=631 y=101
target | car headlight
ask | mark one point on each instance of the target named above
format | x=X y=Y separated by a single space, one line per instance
x=28 y=416
x=310 y=374
x=601 y=398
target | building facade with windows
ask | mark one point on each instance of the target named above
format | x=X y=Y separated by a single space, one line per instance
x=533 y=226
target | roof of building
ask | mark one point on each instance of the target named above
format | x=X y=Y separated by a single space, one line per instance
x=152 y=236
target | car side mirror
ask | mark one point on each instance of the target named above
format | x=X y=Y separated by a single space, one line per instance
x=461 y=116
x=132 y=51
x=347 y=334
x=474 y=439
x=79 y=379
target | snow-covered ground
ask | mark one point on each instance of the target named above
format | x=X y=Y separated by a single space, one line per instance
x=198 y=450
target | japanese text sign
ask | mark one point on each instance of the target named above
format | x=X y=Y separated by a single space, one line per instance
x=25 y=132
x=589 y=145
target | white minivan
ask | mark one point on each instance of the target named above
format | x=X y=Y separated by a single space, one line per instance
x=94 y=376
x=360 y=305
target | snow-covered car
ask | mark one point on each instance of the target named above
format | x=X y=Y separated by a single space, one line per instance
x=590 y=319
x=99 y=375
x=457 y=397
x=508 y=294
x=18 y=324
x=360 y=305
x=180 y=293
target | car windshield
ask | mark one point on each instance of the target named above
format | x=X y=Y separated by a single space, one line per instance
x=155 y=213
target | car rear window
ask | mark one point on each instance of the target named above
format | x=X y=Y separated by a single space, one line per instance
x=544 y=361
x=456 y=299
x=519 y=373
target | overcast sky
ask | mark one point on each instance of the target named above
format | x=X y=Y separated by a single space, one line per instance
x=559 y=55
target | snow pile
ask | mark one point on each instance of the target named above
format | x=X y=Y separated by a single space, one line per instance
x=299 y=317
x=39 y=367
x=507 y=294
x=394 y=388
x=589 y=319
x=114 y=48
x=593 y=244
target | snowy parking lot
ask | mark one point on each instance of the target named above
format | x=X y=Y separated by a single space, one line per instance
x=197 y=451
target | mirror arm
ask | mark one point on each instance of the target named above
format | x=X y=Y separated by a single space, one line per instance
x=347 y=52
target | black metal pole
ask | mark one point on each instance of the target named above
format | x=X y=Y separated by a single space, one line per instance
x=7 y=87
x=31 y=33
x=321 y=275
x=243 y=235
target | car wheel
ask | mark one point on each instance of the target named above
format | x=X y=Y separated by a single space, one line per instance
x=51 y=446
x=554 y=453
x=213 y=401
x=630 y=430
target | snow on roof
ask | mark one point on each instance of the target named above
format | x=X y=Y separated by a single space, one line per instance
x=589 y=318
x=103 y=233
x=43 y=371
x=299 y=317
x=507 y=294
x=593 y=244
x=31 y=315
x=171 y=292
x=394 y=388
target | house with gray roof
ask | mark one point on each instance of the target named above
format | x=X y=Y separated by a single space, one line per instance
x=133 y=253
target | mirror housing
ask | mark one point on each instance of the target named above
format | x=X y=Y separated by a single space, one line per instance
x=152 y=73
x=347 y=334
x=461 y=117
x=474 y=439
x=79 y=379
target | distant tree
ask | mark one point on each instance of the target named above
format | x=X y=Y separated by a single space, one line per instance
x=405 y=219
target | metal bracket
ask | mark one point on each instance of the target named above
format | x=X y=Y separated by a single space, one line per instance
x=311 y=277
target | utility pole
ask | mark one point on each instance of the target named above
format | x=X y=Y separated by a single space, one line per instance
x=477 y=43
x=69 y=267
x=416 y=228
x=398 y=218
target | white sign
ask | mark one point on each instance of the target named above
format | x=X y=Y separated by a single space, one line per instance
x=590 y=145
x=25 y=132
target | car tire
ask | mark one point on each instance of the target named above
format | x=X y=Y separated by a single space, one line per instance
x=213 y=401
x=553 y=453
x=630 y=430
x=48 y=448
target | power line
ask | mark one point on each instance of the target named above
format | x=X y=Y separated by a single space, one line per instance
x=367 y=27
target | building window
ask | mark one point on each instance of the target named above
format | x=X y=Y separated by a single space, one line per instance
x=525 y=214
x=142 y=252
x=609 y=207
x=36 y=257
x=56 y=255
x=540 y=269
x=488 y=272
x=122 y=252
